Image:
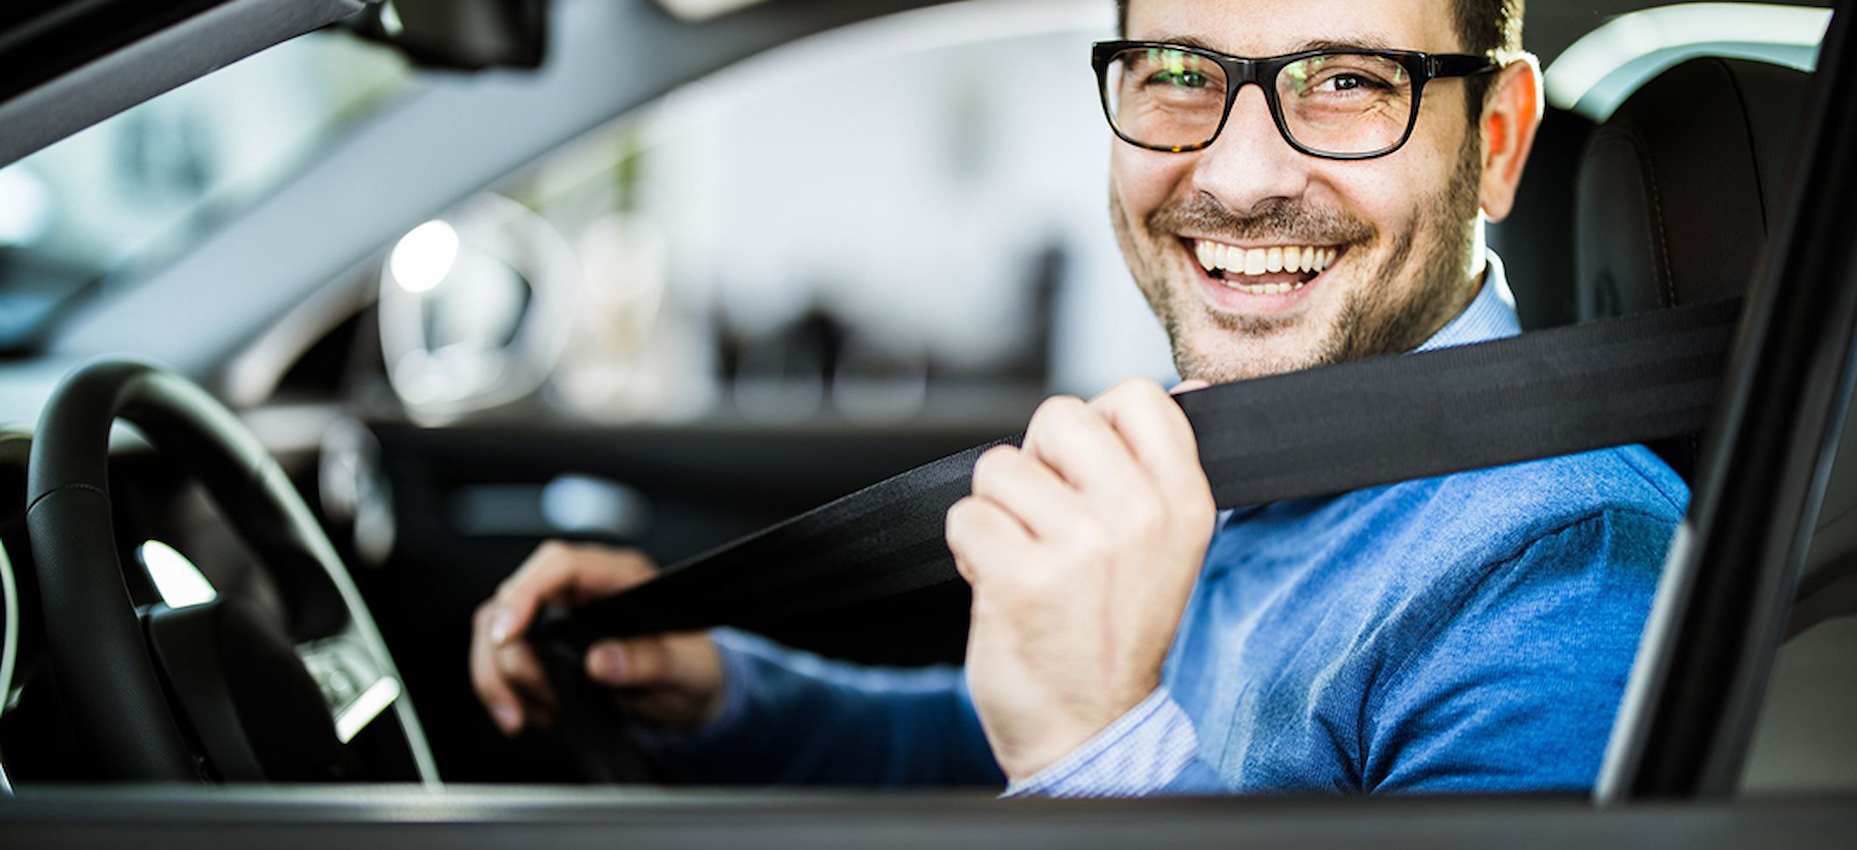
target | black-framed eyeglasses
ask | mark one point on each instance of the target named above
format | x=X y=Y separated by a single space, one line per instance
x=1335 y=104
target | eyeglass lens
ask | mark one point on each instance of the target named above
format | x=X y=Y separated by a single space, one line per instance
x=1347 y=104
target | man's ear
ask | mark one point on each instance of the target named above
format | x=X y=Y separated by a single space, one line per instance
x=1510 y=118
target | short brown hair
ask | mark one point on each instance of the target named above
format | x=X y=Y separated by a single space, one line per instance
x=1490 y=28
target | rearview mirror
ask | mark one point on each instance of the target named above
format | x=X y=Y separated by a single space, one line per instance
x=466 y=35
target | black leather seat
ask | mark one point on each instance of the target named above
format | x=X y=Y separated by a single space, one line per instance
x=1680 y=190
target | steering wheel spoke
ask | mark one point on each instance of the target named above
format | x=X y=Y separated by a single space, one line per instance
x=354 y=688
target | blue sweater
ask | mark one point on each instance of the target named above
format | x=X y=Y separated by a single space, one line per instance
x=1468 y=633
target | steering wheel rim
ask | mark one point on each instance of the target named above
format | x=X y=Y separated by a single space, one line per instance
x=93 y=634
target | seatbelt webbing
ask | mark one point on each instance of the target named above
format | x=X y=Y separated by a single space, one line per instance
x=1314 y=433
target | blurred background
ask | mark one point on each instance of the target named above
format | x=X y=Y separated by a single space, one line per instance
x=896 y=220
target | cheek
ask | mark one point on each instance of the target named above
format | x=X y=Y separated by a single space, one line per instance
x=1388 y=194
x=1144 y=180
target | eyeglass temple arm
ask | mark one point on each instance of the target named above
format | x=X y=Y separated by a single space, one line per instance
x=1459 y=65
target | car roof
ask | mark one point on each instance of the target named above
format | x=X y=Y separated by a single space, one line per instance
x=74 y=63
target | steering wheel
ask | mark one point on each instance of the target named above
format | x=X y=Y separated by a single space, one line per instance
x=219 y=690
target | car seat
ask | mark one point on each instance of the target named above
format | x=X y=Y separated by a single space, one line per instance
x=1680 y=190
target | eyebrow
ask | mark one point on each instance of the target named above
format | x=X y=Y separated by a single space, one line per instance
x=1351 y=43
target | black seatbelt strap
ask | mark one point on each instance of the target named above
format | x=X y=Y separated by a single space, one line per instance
x=1320 y=432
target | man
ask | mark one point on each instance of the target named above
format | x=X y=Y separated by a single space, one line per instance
x=1466 y=633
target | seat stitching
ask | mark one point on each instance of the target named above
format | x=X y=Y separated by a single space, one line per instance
x=1694 y=444
x=1747 y=125
x=1661 y=250
x=1666 y=273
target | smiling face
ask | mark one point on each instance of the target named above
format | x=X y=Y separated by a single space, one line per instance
x=1260 y=259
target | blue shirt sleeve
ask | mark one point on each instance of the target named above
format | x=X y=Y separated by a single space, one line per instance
x=1518 y=683
x=793 y=718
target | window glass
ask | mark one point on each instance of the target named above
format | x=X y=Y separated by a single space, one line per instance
x=148 y=182
x=904 y=218
x=1805 y=740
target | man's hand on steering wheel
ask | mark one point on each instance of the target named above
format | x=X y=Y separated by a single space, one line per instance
x=669 y=681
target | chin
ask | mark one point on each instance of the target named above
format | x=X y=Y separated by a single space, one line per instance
x=1229 y=357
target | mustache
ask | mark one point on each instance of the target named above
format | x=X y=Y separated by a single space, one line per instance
x=1279 y=219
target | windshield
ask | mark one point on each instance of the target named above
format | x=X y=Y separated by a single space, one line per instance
x=147 y=183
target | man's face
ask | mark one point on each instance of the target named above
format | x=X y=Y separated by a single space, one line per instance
x=1403 y=229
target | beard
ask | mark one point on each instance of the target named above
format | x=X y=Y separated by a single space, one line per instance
x=1375 y=319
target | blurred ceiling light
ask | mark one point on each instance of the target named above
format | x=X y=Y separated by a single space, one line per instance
x=703 y=10
x=493 y=330
x=424 y=257
x=177 y=580
x=390 y=19
x=1671 y=34
x=25 y=206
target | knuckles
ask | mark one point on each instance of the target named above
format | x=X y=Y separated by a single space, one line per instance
x=993 y=466
x=961 y=520
x=1056 y=416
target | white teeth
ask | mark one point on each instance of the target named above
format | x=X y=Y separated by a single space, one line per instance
x=1253 y=262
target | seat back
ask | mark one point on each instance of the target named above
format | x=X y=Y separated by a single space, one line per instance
x=1680 y=190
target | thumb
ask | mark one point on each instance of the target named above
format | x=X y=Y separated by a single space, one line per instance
x=641 y=662
x=1192 y=386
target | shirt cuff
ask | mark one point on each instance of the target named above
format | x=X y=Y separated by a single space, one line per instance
x=1139 y=754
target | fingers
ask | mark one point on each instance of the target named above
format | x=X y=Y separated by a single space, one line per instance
x=1028 y=489
x=560 y=572
x=674 y=681
x=686 y=662
x=503 y=675
x=1157 y=433
x=1081 y=446
x=496 y=696
x=636 y=663
x=983 y=536
x=1129 y=458
x=522 y=671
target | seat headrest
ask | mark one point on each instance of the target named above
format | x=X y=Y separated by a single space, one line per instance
x=1682 y=186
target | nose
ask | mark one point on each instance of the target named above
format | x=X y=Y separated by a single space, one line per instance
x=1250 y=163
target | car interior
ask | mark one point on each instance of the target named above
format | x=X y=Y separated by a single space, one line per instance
x=405 y=459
